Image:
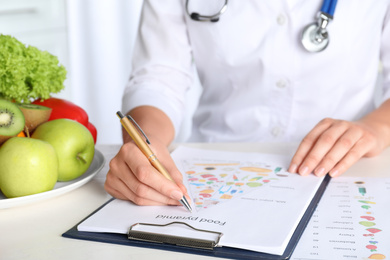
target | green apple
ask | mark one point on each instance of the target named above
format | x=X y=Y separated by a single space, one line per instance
x=28 y=166
x=73 y=143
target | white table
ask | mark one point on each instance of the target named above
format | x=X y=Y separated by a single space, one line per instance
x=34 y=231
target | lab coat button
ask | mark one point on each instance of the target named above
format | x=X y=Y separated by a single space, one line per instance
x=281 y=83
x=281 y=19
x=276 y=131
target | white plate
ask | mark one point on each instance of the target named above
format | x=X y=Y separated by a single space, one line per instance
x=60 y=187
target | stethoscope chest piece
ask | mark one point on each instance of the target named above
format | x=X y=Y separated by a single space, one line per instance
x=314 y=39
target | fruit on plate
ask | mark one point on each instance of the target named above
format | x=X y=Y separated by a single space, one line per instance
x=62 y=108
x=28 y=166
x=11 y=120
x=73 y=143
x=93 y=131
x=34 y=115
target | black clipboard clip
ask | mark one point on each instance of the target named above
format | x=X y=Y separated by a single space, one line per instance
x=172 y=239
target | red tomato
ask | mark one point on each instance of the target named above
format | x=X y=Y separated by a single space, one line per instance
x=62 y=108
x=93 y=131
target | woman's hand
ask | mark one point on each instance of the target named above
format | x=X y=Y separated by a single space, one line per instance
x=335 y=145
x=132 y=177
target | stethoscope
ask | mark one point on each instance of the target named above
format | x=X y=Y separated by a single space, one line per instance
x=315 y=37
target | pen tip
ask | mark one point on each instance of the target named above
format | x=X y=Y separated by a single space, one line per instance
x=185 y=203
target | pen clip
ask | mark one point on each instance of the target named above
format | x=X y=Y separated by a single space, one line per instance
x=139 y=128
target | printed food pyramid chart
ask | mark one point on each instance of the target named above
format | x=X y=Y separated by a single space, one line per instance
x=214 y=182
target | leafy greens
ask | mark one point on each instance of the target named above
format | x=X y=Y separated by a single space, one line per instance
x=27 y=73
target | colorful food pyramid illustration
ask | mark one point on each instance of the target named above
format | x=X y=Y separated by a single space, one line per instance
x=217 y=182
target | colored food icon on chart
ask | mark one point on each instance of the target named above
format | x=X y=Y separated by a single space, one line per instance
x=362 y=191
x=366 y=202
x=372 y=248
x=217 y=182
x=367 y=223
x=254 y=184
x=255 y=169
x=377 y=256
x=369 y=218
x=361 y=188
x=373 y=230
x=280 y=172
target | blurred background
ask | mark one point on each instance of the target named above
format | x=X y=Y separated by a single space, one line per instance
x=93 y=39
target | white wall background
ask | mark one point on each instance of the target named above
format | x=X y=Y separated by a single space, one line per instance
x=101 y=36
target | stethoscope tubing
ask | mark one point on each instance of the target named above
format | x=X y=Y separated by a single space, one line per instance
x=328 y=7
x=206 y=18
x=314 y=37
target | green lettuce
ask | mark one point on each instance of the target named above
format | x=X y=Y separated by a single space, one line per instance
x=27 y=73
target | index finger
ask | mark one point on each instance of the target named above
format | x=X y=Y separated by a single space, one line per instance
x=146 y=175
x=307 y=144
x=169 y=164
x=151 y=177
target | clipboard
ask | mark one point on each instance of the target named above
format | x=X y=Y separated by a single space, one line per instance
x=171 y=244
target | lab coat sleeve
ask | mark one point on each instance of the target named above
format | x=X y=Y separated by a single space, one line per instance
x=385 y=56
x=162 y=60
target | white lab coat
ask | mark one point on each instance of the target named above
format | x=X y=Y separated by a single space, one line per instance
x=259 y=83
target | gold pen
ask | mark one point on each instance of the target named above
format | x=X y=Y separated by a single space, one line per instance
x=130 y=125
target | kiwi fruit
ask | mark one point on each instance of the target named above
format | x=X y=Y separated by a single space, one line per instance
x=11 y=120
x=34 y=115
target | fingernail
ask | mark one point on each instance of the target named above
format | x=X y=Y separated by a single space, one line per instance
x=333 y=173
x=176 y=195
x=320 y=172
x=293 y=168
x=304 y=170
